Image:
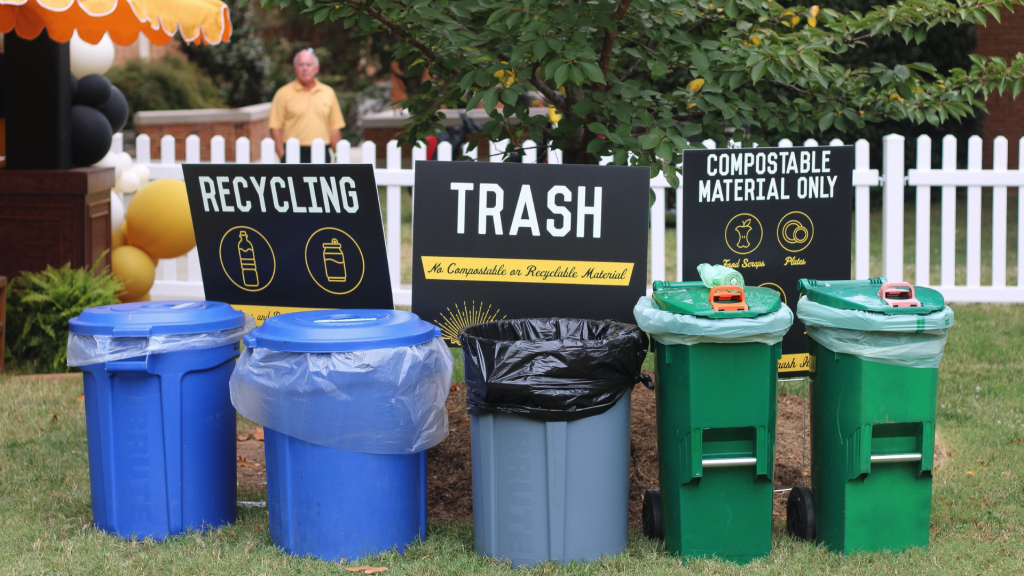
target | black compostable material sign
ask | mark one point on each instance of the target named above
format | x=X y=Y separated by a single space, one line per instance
x=279 y=238
x=774 y=214
x=495 y=241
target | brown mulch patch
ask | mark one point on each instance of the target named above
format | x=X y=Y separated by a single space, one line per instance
x=792 y=447
x=251 y=462
x=449 y=479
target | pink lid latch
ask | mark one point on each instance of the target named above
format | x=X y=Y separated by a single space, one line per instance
x=901 y=294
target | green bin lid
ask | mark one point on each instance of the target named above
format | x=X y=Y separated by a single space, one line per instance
x=691 y=298
x=866 y=295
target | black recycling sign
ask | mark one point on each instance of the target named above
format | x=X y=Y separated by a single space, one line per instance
x=279 y=238
x=775 y=215
x=495 y=241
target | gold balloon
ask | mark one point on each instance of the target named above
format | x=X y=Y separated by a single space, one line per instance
x=136 y=269
x=159 y=221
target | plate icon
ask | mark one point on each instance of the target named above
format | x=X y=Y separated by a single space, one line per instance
x=795 y=231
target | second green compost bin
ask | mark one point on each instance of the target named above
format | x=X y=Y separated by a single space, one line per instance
x=716 y=408
x=875 y=349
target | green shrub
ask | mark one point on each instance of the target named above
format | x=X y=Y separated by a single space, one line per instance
x=39 y=305
x=169 y=83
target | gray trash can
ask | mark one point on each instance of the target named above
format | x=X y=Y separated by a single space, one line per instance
x=549 y=404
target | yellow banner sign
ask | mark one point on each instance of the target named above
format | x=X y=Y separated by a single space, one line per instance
x=795 y=363
x=261 y=313
x=527 y=271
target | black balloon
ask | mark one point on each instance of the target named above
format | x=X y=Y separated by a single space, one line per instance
x=116 y=109
x=93 y=90
x=74 y=86
x=90 y=135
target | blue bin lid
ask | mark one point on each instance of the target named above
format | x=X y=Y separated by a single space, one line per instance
x=341 y=331
x=142 y=319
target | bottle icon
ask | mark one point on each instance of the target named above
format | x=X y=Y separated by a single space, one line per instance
x=743 y=230
x=247 y=257
x=334 y=261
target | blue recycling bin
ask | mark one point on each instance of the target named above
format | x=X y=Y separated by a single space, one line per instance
x=160 y=425
x=350 y=400
x=336 y=504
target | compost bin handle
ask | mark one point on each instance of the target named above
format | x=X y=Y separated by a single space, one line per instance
x=891 y=293
x=729 y=298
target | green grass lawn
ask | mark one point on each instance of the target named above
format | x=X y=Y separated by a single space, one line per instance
x=977 y=517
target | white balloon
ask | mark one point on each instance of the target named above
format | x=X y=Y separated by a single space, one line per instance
x=108 y=161
x=124 y=164
x=91 y=58
x=142 y=171
x=129 y=182
x=116 y=211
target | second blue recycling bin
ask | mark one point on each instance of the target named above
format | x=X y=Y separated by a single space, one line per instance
x=350 y=400
x=159 y=421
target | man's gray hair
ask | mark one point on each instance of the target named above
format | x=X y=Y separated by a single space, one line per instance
x=295 y=60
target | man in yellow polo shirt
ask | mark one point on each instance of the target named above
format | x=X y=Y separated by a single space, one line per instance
x=305 y=109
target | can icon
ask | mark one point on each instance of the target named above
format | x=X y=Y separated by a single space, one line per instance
x=334 y=261
x=247 y=258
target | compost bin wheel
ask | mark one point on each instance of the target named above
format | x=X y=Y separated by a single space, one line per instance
x=651 y=515
x=800 y=521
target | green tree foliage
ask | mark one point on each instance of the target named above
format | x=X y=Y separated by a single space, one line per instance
x=946 y=46
x=39 y=306
x=166 y=84
x=758 y=66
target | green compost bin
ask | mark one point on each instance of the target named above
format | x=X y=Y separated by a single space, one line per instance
x=716 y=408
x=875 y=349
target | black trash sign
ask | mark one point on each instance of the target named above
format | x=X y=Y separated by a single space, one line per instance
x=280 y=238
x=496 y=241
x=775 y=215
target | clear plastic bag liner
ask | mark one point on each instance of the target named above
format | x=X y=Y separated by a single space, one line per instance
x=814 y=314
x=551 y=369
x=84 y=349
x=670 y=328
x=384 y=401
x=913 y=340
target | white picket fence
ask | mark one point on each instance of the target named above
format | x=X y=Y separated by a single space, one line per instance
x=182 y=278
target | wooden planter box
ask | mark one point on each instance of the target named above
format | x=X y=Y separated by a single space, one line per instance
x=52 y=217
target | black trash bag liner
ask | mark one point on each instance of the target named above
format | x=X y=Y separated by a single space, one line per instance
x=551 y=369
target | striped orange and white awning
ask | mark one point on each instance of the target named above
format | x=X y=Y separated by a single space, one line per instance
x=198 y=21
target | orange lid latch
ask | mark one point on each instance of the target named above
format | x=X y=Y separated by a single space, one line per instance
x=728 y=298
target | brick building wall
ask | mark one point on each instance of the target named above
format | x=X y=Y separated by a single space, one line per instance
x=249 y=121
x=1005 y=115
x=143 y=48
